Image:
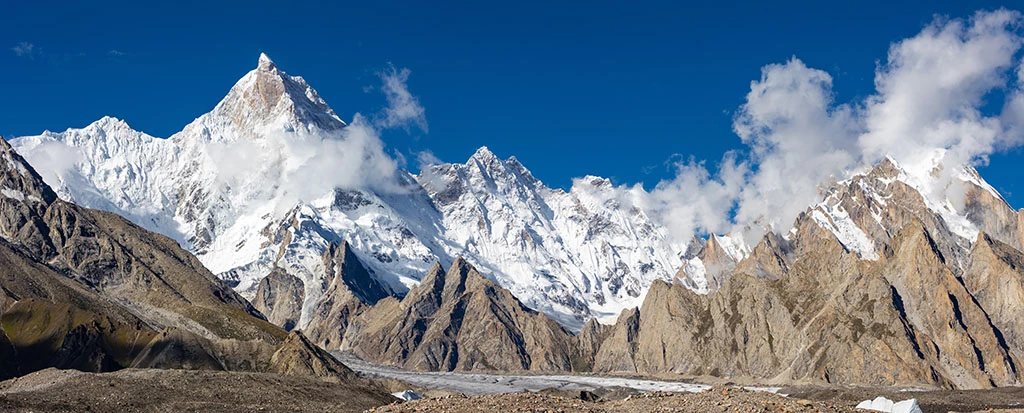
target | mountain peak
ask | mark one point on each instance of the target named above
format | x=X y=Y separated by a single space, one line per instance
x=109 y=122
x=265 y=64
x=265 y=97
x=484 y=155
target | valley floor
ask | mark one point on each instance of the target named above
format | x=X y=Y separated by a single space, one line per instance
x=475 y=384
x=135 y=390
x=487 y=392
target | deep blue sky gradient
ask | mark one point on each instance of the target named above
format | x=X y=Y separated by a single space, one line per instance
x=570 y=88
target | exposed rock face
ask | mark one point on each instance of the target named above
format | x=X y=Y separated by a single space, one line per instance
x=875 y=275
x=831 y=318
x=178 y=349
x=279 y=297
x=587 y=344
x=297 y=356
x=53 y=334
x=150 y=274
x=352 y=288
x=995 y=277
x=87 y=290
x=618 y=351
x=459 y=320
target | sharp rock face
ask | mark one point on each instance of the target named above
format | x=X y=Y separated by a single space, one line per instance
x=880 y=273
x=459 y=320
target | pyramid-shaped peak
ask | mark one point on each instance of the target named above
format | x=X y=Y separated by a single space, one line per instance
x=263 y=103
x=265 y=64
x=484 y=154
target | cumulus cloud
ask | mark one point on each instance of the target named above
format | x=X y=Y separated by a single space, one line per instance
x=928 y=104
x=403 y=109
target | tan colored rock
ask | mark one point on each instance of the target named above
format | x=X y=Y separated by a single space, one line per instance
x=174 y=348
x=352 y=289
x=297 y=356
x=618 y=351
x=279 y=297
x=588 y=343
x=995 y=277
x=831 y=318
x=148 y=274
x=459 y=320
x=718 y=265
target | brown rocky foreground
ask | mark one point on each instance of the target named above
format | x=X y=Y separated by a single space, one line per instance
x=153 y=390
x=719 y=399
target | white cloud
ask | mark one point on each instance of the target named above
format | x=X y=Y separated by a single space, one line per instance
x=303 y=166
x=55 y=160
x=928 y=100
x=931 y=90
x=25 y=49
x=403 y=108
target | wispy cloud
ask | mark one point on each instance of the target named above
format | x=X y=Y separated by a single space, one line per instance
x=25 y=49
x=403 y=108
x=115 y=52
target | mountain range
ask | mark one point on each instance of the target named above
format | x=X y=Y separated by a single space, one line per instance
x=572 y=255
x=886 y=270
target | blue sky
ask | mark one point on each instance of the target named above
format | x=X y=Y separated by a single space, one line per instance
x=604 y=88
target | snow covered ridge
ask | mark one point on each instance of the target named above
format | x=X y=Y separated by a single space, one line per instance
x=216 y=187
x=243 y=187
x=940 y=189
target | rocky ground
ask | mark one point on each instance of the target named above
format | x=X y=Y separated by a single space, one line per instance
x=718 y=399
x=151 y=390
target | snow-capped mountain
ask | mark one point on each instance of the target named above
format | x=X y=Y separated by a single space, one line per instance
x=221 y=188
x=226 y=187
x=564 y=253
